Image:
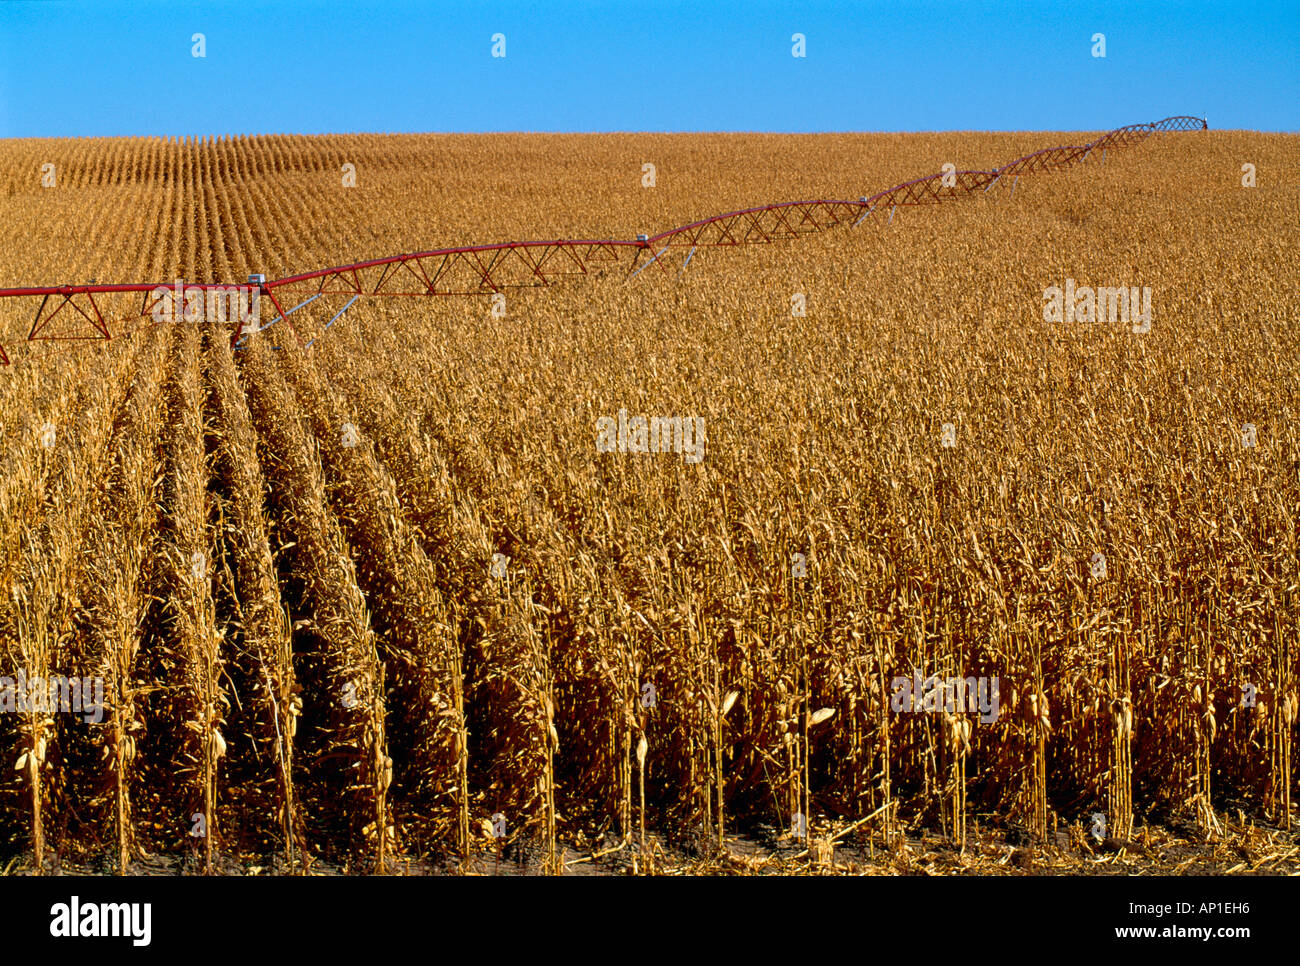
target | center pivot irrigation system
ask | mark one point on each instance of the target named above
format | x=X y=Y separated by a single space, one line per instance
x=79 y=314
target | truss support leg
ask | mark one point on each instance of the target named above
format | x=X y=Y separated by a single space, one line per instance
x=337 y=315
x=283 y=314
x=1013 y=186
x=649 y=263
x=891 y=214
x=687 y=262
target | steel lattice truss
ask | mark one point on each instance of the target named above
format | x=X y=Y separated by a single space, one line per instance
x=93 y=312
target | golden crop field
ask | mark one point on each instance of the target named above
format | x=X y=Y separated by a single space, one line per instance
x=389 y=602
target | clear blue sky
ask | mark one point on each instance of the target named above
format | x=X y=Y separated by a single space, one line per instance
x=74 y=67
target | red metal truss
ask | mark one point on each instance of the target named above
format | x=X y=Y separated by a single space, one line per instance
x=77 y=313
x=75 y=306
x=767 y=223
x=475 y=270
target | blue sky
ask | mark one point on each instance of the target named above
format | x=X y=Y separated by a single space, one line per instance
x=75 y=68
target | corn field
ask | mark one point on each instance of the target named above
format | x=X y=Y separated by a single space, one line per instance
x=383 y=602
